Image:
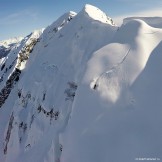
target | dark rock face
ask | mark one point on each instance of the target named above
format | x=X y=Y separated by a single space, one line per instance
x=9 y=85
x=4 y=51
x=8 y=133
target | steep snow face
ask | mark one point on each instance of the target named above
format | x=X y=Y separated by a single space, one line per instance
x=117 y=111
x=83 y=90
x=43 y=98
x=9 y=76
x=17 y=56
x=27 y=49
x=57 y=25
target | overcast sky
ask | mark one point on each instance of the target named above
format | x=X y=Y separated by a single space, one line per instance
x=20 y=17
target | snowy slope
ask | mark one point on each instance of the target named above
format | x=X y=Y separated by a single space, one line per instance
x=83 y=90
x=9 y=76
x=117 y=111
x=48 y=83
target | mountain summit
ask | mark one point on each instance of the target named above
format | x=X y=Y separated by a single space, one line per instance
x=83 y=90
x=96 y=14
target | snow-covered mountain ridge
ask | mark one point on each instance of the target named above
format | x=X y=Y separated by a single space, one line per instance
x=10 y=41
x=83 y=90
x=6 y=46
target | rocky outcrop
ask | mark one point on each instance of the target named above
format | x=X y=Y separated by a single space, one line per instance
x=9 y=85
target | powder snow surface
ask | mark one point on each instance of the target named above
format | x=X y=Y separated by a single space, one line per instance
x=88 y=91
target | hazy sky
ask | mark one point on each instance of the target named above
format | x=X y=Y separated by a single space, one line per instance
x=20 y=17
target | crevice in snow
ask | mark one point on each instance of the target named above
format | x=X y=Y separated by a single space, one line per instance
x=8 y=133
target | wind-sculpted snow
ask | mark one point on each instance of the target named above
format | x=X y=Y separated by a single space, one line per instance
x=155 y=22
x=116 y=115
x=87 y=91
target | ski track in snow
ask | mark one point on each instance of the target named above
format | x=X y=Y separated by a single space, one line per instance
x=113 y=68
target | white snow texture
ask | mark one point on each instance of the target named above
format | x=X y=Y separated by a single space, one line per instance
x=83 y=90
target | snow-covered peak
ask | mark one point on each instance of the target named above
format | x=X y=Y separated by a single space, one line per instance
x=83 y=83
x=62 y=19
x=8 y=42
x=7 y=45
x=96 y=14
x=57 y=25
x=37 y=33
x=72 y=13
